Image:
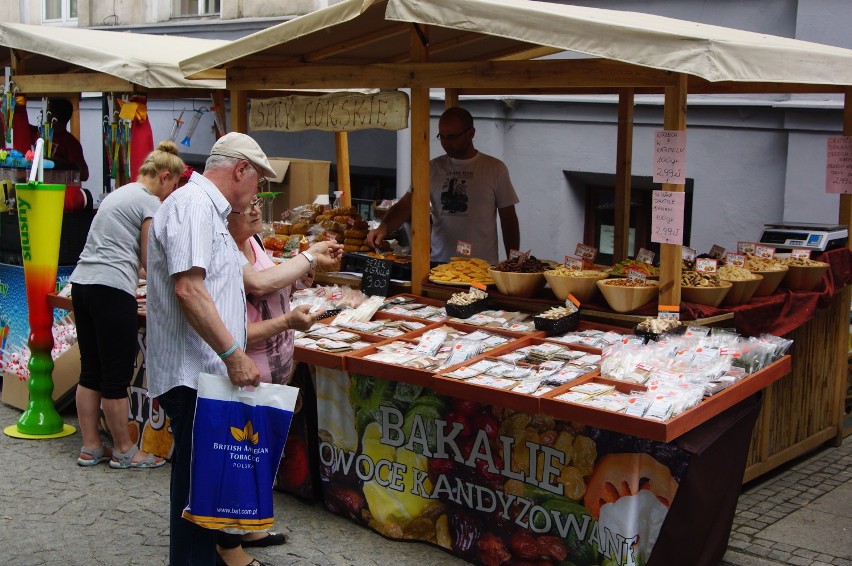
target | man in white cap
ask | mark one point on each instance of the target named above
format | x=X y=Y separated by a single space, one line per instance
x=196 y=310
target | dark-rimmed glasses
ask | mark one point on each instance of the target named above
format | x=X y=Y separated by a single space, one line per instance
x=452 y=137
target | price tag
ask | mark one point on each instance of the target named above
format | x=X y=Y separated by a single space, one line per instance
x=706 y=265
x=517 y=254
x=646 y=256
x=636 y=275
x=477 y=285
x=745 y=247
x=670 y=157
x=667 y=217
x=572 y=300
x=717 y=251
x=376 y=277
x=573 y=262
x=838 y=166
x=688 y=254
x=464 y=248
x=737 y=260
x=587 y=253
x=800 y=253
x=764 y=251
x=668 y=311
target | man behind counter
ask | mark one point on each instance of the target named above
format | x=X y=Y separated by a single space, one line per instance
x=468 y=189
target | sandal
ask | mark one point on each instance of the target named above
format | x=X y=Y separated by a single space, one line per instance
x=254 y=562
x=98 y=455
x=124 y=460
x=271 y=539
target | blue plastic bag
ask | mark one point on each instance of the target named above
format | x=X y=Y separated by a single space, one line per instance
x=237 y=441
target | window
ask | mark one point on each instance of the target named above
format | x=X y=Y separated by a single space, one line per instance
x=59 y=11
x=598 y=190
x=195 y=7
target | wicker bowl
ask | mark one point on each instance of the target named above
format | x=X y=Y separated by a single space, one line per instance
x=626 y=299
x=518 y=284
x=771 y=280
x=711 y=296
x=804 y=277
x=742 y=290
x=582 y=287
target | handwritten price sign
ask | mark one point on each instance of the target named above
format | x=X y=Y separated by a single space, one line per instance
x=670 y=157
x=838 y=168
x=667 y=217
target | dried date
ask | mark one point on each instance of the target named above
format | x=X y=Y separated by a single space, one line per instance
x=492 y=551
x=340 y=499
x=466 y=532
x=523 y=545
x=552 y=547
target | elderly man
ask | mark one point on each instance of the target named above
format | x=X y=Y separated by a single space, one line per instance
x=197 y=312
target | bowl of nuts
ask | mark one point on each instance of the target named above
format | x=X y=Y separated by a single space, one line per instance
x=703 y=288
x=744 y=284
x=803 y=274
x=772 y=270
x=626 y=295
x=582 y=283
x=519 y=277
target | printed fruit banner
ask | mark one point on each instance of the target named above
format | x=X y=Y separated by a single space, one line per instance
x=490 y=485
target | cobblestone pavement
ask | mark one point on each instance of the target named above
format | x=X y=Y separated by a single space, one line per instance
x=54 y=513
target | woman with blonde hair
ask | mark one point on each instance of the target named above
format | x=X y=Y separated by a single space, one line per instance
x=103 y=294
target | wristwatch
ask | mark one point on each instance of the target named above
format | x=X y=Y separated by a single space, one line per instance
x=310 y=259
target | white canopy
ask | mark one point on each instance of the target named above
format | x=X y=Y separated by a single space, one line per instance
x=363 y=32
x=150 y=61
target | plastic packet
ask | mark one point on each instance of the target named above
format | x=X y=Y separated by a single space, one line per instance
x=463 y=350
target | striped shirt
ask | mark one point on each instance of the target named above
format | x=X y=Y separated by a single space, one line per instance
x=190 y=230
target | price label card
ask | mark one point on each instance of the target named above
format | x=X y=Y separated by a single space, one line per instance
x=670 y=157
x=477 y=285
x=572 y=300
x=688 y=254
x=737 y=260
x=636 y=275
x=803 y=253
x=376 y=277
x=838 y=166
x=668 y=311
x=706 y=265
x=588 y=253
x=517 y=254
x=745 y=247
x=573 y=262
x=464 y=248
x=667 y=217
x=646 y=256
x=717 y=252
x=764 y=251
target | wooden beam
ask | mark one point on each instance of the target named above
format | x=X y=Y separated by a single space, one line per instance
x=420 y=229
x=623 y=172
x=674 y=118
x=344 y=183
x=486 y=74
x=71 y=83
x=239 y=111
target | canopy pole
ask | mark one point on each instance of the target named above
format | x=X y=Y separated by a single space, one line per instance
x=623 y=173
x=845 y=216
x=674 y=118
x=420 y=229
x=451 y=97
x=344 y=183
x=239 y=111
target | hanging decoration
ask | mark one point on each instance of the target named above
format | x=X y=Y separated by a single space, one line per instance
x=193 y=123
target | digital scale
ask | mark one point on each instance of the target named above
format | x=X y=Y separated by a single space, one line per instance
x=818 y=237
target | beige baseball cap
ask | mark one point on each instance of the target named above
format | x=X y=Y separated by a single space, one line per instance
x=241 y=146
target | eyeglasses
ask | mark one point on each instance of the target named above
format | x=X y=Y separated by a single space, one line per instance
x=452 y=137
x=256 y=203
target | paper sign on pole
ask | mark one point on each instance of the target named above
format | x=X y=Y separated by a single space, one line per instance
x=670 y=157
x=838 y=167
x=667 y=217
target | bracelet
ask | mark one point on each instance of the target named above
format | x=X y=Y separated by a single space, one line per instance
x=229 y=351
x=309 y=258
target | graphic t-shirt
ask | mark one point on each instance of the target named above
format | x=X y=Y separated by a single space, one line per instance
x=465 y=195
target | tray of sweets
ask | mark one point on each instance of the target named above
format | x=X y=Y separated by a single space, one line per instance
x=401 y=359
x=326 y=345
x=407 y=306
x=518 y=376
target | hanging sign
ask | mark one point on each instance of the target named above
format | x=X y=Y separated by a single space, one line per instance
x=338 y=112
x=838 y=167
x=667 y=217
x=670 y=157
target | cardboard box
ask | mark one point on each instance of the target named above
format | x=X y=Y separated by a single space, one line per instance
x=299 y=181
x=66 y=375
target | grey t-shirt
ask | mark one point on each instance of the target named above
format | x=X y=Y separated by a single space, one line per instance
x=111 y=256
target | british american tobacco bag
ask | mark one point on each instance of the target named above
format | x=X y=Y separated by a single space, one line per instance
x=237 y=441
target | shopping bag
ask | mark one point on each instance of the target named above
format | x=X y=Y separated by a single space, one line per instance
x=237 y=441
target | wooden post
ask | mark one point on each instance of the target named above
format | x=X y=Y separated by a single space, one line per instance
x=420 y=229
x=239 y=114
x=344 y=183
x=623 y=172
x=674 y=118
x=845 y=217
x=451 y=97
